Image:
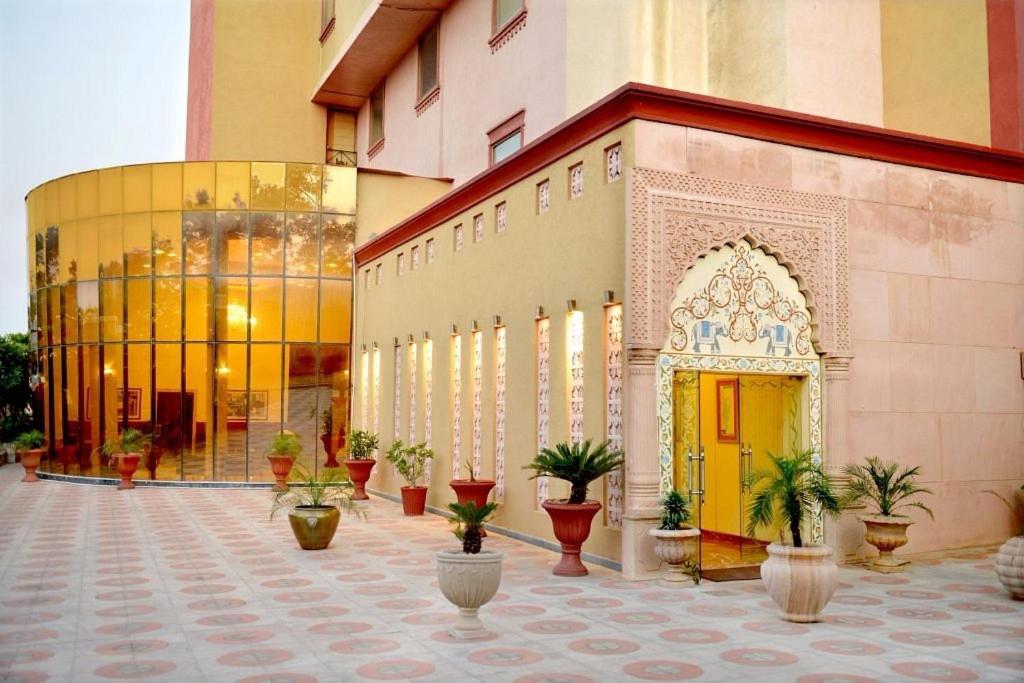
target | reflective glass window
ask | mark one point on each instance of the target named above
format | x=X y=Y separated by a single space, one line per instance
x=267 y=186
x=87 y=194
x=88 y=297
x=112 y=304
x=302 y=187
x=110 y=191
x=54 y=310
x=113 y=373
x=167 y=242
x=197 y=237
x=167 y=308
x=267 y=243
x=167 y=193
x=332 y=382
x=138 y=293
x=135 y=400
x=68 y=251
x=335 y=301
x=232 y=410
x=339 y=189
x=91 y=374
x=138 y=239
x=111 y=245
x=70 y=308
x=303 y=248
x=138 y=190
x=264 y=407
x=87 y=265
x=198 y=309
x=231 y=306
x=168 y=417
x=338 y=244
x=233 y=243
x=197 y=412
x=300 y=400
x=300 y=310
x=198 y=183
x=265 y=316
x=232 y=185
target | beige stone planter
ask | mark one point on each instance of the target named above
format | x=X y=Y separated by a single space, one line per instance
x=1010 y=567
x=887 y=533
x=468 y=581
x=675 y=548
x=800 y=580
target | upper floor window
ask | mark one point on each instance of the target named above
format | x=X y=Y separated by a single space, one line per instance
x=505 y=11
x=428 y=52
x=506 y=138
x=377 y=114
x=326 y=18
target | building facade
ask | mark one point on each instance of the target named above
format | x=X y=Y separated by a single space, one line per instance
x=703 y=230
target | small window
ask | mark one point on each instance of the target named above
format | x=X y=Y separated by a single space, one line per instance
x=414 y=258
x=459 y=238
x=428 y=45
x=506 y=146
x=505 y=11
x=430 y=251
x=401 y=263
x=478 y=227
x=613 y=163
x=326 y=18
x=506 y=138
x=380 y=273
x=501 y=217
x=543 y=196
x=377 y=114
x=576 y=181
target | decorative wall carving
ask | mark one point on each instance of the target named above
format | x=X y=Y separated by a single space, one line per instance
x=543 y=196
x=428 y=399
x=500 y=348
x=543 y=397
x=574 y=351
x=576 y=181
x=456 y=404
x=478 y=399
x=376 y=396
x=613 y=409
x=677 y=218
x=412 y=392
x=501 y=217
x=613 y=163
x=364 y=390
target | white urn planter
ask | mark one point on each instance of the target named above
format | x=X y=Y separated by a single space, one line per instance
x=676 y=548
x=1010 y=567
x=468 y=582
x=887 y=533
x=800 y=580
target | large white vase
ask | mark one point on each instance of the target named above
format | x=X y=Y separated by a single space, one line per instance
x=800 y=580
x=468 y=581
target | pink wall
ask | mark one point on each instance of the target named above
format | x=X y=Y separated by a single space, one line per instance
x=479 y=90
x=936 y=313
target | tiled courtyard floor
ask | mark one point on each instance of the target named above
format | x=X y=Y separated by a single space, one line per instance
x=197 y=585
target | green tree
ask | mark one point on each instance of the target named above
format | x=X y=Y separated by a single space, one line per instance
x=15 y=394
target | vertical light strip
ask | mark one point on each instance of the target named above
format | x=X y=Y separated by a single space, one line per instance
x=499 y=412
x=613 y=408
x=364 y=390
x=478 y=398
x=574 y=362
x=456 y=404
x=398 y=391
x=412 y=392
x=428 y=399
x=376 y=396
x=543 y=397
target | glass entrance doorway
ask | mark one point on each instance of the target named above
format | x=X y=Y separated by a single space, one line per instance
x=724 y=427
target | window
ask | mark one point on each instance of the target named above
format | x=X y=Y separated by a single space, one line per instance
x=326 y=18
x=501 y=217
x=506 y=138
x=414 y=258
x=377 y=114
x=379 y=274
x=458 y=237
x=428 y=45
x=430 y=251
x=543 y=196
x=505 y=11
x=478 y=227
x=576 y=181
x=401 y=263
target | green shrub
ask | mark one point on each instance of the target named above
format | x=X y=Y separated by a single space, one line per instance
x=286 y=444
x=576 y=464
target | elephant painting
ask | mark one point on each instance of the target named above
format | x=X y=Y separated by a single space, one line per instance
x=706 y=333
x=779 y=337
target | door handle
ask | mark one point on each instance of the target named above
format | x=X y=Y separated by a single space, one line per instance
x=747 y=457
x=700 y=469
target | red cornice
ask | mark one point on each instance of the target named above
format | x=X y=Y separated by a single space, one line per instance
x=650 y=103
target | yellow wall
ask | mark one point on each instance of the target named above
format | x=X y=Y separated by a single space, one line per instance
x=264 y=64
x=935 y=66
x=386 y=199
x=507 y=274
x=346 y=14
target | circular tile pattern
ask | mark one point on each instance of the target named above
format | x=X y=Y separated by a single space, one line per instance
x=603 y=646
x=505 y=656
x=915 y=594
x=934 y=671
x=302 y=596
x=662 y=670
x=923 y=639
x=847 y=647
x=131 y=647
x=128 y=628
x=216 y=604
x=594 y=603
x=365 y=646
x=555 y=626
x=885 y=580
x=278 y=678
x=31 y=635
x=404 y=604
x=1005 y=660
x=227 y=619
x=778 y=628
x=208 y=589
x=556 y=590
x=256 y=657
x=663 y=597
x=974 y=588
x=339 y=628
x=23 y=656
x=446 y=637
x=852 y=620
x=28 y=619
x=639 y=618
x=856 y=600
x=395 y=670
x=835 y=678
x=135 y=669
x=758 y=656
x=995 y=630
x=709 y=610
x=982 y=607
x=518 y=610
x=318 y=612
x=920 y=614
x=240 y=637
x=693 y=636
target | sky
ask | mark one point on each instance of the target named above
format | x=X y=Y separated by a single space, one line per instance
x=83 y=84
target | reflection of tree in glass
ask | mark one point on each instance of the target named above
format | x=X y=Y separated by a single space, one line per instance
x=267 y=243
x=164 y=254
x=339 y=243
x=52 y=251
x=73 y=271
x=196 y=229
x=302 y=243
x=267 y=193
x=197 y=199
x=303 y=186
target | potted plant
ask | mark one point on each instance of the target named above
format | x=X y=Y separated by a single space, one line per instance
x=579 y=465
x=469 y=577
x=327 y=437
x=676 y=541
x=284 y=449
x=314 y=506
x=1010 y=558
x=29 y=447
x=472 y=489
x=799 y=578
x=126 y=450
x=360 y=460
x=411 y=462
x=888 y=488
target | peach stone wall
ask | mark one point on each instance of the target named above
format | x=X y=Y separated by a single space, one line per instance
x=936 y=311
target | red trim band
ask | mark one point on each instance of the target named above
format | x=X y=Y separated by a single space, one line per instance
x=651 y=103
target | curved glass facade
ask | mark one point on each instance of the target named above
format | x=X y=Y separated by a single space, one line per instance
x=207 y=303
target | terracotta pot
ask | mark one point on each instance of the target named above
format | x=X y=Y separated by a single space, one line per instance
x=571 y=523
x=127 y=463
x=676 y=548
x=800 y=580
x=153 y=460
x=468 y=581
x=281 y=466
x=414 y=500
x=886 y=533
x=30 y=461
x=314 y=527
x=359 y=472
x=332 y=453
x=476 y=491
x=1010 y=567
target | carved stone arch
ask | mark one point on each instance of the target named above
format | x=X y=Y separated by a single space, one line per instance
x=677 y=218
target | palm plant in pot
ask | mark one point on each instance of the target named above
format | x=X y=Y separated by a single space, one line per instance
x=29 y=447
x=472 y=489
x=314 y=506
x=284 y=449
x=1010 y=558
x=411 y=462
x=800 y=578
x=360 y=460
x=127 y=450
x=579 y=465
x=675 y=540
x=469 y=577
x=889 y=489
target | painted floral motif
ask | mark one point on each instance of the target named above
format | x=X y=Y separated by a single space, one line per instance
x=741 y=303
x=501 y=217
x=613 y=408
x=574 y=347
x=576 y=181
x=543 y=196
x=614 y=163
x=543 y=397
x=478 y=399
x=456 y=402
x=500 y=348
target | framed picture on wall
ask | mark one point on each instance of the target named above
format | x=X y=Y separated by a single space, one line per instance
x=134 y=403
x=236 y=408
x=727 y=392
x=258 y=405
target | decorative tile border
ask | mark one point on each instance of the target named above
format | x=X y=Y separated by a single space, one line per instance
x=543 y=397
x=613 y=410
x=500 y=353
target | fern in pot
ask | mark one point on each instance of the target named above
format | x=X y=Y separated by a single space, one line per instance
x=29 y=447
x=361 y=447
x=314 y=506
x=127 y=450
x=799 y=577
x=579 y=465
x=469 y=576
x=890 y=489
x=676 y=541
